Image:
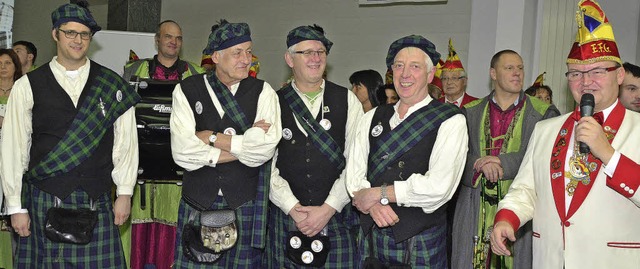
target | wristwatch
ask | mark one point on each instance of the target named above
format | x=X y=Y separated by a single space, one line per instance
x=384 y=200
x=212 y=139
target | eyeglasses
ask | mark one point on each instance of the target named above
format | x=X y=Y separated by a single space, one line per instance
x=71 y=34
x=309 y=53
x=453 y=79
x=598 y=72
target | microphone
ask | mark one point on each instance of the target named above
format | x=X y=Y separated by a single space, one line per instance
x=586 y=110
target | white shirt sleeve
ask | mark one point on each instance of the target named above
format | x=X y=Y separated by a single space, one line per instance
x=446 y=164
x=16 y=143
x=356 y=170
x=125 y=153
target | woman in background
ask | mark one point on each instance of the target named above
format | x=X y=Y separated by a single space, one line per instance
x=387 y=94
x=10 y=71
x=543 y=93
x=365 y=84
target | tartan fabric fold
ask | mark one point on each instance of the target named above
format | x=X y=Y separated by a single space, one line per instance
x=412 y=130
x=320 y=138
x=109 y=97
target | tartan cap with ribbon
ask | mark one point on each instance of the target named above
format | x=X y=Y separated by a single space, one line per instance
x=225 y=35
x=75 y=13
x=417 y=41
x=310 y=32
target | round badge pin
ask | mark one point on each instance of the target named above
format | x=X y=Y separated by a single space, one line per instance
x=198 y=107
x=295 y=242
x=326 y=124
x=119 y=96
x=307 y=257
x=229 y=131
x=563 y=132
x=317 y=246
x=287 y=134
x=377 y=130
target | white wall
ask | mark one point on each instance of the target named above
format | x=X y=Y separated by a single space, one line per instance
x=361 y=35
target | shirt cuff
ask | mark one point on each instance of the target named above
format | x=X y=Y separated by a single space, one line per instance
x=288 y=205
x=334 y=202
x=400 y=189
x=236 y=144
x=508 y=216
x=15 y=209
x=213 y=157
x=610 y=168
x=125 y=190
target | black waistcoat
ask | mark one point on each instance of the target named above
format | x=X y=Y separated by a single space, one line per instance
x=52 y=115
x=237 y=181
x=412 y=219
x=309 y=173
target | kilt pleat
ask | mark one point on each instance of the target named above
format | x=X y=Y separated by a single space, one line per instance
x=429 y=250
x=342 y=231
x=240 y=256
x=38 y=252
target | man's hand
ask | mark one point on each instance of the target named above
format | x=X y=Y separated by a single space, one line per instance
x=501 y=232
x=204 y=136
x=296 y=215
x=480 y=162
x=121 y=209
x=383 y=215
x=364 y=199
x=262 y=124
x=21 y=224
x=492 y=171
x=317 y=218
x=590 y=132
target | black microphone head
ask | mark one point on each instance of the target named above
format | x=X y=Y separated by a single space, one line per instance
x=587 y=103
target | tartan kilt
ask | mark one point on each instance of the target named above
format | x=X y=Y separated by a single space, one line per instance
x=429 y=251
x=343 y=229
x=240 y=256
x=38 y=252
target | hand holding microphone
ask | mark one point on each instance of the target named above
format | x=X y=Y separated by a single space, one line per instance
x=587 y=103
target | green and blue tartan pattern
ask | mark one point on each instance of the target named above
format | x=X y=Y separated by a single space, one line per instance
x=320 y=138
x=229 y=104
x=89 y=125
x=429 y=250
x=73 y=12
x=302 y=33
x=226 y=31
x=406 y=135
x=412 y=41
x=242 y=255
x=233 y=110
x=343 y=229
x=38 y=252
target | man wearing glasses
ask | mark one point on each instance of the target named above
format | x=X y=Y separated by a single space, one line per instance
x=307 y=184
x=224 y=130
x=500 y=125
x=454 y=80
x=584 y=203
x=69 y=135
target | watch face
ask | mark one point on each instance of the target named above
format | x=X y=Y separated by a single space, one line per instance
x=212 y=138
x=384 y=201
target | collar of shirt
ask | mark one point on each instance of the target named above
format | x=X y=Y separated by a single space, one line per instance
x=607 y=111
x=72 y=81
x=306 y=101
x=515 y=103
x=459 y=100
x=396 y=120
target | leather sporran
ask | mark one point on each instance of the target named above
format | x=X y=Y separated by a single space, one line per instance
x=308 y=251
x=73 y=226
x=216 y=234
x=372 y=262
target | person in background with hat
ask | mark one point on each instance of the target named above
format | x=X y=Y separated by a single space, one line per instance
x=584 y=205
x=166 y=65
x=540 y=91
x=319 y=119
x=454 y=80
x=27 y=53
x=224 y=128
x=405 y=164
x=500 y=125
x=69 y=135
x=630 y=88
